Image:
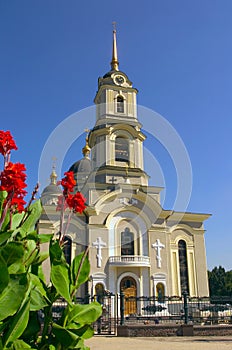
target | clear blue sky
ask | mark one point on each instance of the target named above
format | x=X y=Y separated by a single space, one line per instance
x=177 y=53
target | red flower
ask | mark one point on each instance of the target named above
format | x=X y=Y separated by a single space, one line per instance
x=6 y=142
x=76 y=202
x=12 y=180
x=18 y=203
x=68 y=182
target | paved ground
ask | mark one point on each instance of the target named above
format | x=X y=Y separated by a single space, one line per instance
x=156 y=343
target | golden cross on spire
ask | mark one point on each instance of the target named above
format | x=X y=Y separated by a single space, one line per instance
x=54 y=159
x=86 y=130
x=114 y=63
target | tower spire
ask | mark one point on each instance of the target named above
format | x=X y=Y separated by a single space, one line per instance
x=53 y=175
x=114 y=63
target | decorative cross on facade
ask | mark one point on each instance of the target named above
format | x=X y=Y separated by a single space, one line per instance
x=99 y=244
x=158 y=246
x=113 y=180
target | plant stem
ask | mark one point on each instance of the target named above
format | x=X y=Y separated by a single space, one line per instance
x=5 y=212
x=47 y=321
x=35 y=191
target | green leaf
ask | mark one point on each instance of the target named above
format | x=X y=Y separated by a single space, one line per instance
x=39 y=273
x=37 y=301
x=36 y=283
x=60 y=279
x=6 y=221
x=12 y=252
x=41 y=237
x=84 y=332
x=56 y=252
x=18 y=324
x=3 y=196
x=16 y=268
x=4 y=236
x=12 y=297
x=30 y=253
x=3 y=325
x=16 y=220
x=80 y=275
x=20 y=345
x=32 y=330
x=44 y=238
x=4 y=279
x=80 y=345
x=64 y=336
x=38 y=294
x=85 y=314
x=41 y=257
x=33 y=214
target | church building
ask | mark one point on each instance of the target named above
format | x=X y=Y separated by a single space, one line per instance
x=135 y=245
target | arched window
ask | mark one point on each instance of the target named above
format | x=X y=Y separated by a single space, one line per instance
x=127 y=242
x=160 y=292
x=120 y=104
x=121 y=149
x=100 y=290
x=183 y=263
x=67 y=249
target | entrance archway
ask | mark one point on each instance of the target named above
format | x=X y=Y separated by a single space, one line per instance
x=129 y=287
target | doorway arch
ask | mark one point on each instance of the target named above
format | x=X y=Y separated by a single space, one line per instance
x=128 y=286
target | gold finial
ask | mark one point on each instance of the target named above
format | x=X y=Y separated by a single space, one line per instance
x=86 y=150
x=53 y=175
x=114 y=63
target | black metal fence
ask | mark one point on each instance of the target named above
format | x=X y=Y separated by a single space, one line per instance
x=176 y=309
x=119 y=309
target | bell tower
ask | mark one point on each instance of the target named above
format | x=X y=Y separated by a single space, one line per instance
x=116 y=139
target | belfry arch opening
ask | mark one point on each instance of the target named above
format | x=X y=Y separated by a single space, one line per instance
x=121 y=149
x=120 y=104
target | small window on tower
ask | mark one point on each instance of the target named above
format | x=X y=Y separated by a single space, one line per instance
x=120 y=104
